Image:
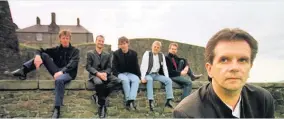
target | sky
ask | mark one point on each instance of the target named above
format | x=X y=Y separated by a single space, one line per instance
x=191 y=22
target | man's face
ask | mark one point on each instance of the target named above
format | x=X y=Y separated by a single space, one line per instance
x=123 y=46
x=173 y=50
x=64 y=40
x=231 y=65
x=156 y=48
x=100 y=42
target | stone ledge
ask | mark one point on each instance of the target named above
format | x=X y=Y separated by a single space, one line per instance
x=18 y=84
x=270 y=85
x=84 y=84
x=74 y=84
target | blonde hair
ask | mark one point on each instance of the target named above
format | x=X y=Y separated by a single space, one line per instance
x=157 y=43
x=173 y=44
x=64 y=32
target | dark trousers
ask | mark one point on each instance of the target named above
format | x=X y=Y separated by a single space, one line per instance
x=185 y=83
x=52 y=69
x=104 y=88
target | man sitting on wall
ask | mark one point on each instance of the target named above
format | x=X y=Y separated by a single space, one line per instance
x=126 y=67
x=178 y=68
x=60 y=61
x=99 y=68
x=154 y=68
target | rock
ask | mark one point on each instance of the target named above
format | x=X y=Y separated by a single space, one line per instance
x=9 y=49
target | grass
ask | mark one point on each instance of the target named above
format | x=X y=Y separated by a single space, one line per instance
x=21 y=45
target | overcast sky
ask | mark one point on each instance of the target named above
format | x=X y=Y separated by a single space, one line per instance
x=192 y=22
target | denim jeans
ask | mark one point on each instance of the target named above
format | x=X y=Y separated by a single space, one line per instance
x=165 y=80
x=130 y=85
x=185 y=83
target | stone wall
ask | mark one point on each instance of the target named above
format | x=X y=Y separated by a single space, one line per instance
x=193 y=54
x=35 y=98
x=9 y=50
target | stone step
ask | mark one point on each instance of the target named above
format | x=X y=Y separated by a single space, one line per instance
x=74 y=84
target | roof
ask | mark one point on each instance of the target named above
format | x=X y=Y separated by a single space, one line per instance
x=44 y=28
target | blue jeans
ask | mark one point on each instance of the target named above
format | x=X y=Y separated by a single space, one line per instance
x=165 y=80
x=130 y=85
x=185 y=83
x=60 y=86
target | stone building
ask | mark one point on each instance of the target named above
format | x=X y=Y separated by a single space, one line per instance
x=47 y=35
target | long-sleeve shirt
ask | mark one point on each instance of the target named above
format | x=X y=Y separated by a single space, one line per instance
x=156 y=65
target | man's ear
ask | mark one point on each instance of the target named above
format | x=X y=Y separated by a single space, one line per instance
x=208 y=67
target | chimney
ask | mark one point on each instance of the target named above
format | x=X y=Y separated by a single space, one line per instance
x=78 y=22
x=53 y=18
x=37 y=21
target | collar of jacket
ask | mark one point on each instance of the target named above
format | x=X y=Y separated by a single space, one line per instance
x=222 y=110
x=120 y=51
x=69 y=47
x=172 y=55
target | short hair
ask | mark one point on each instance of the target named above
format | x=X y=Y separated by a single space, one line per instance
x=100 y=36
x=157 y=42
x=173 y=44
x=64 y=32
x=227 y=34
x=123 y=39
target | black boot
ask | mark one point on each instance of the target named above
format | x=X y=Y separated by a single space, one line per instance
x=102 y=111
x=195 y=77
x=130 y=104
x=168 y=103
x=133 y=105
x=56 y=112
x=127 y=105
x=151 y=105
x=192 y=76
x=95 y=99
x=18 y=73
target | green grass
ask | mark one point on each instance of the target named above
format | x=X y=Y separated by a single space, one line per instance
x=21 y=45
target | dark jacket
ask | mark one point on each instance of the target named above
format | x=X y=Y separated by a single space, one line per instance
x=66 y=59
x=96 y=63
x=171 y=68
x=125 y=62
x=256 y=102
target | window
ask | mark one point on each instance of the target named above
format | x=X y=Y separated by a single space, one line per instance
x=39 y=36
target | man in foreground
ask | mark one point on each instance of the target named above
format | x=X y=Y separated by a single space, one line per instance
x=60 y=61
x=99 y=68
x=178 y=70
x=229 y=57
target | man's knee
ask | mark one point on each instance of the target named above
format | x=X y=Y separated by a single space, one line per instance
x=97 y=81
x=123 y=78
x=44 y=56
x=188 y=83
x=182 y=61
x=168 y=80
x=135 y=79
x=59 y=81
x=149 y=78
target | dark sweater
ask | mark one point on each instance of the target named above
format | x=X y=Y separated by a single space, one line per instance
x=204 y=103
x=171 y=68
x=125 y=62
x=66 y=59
